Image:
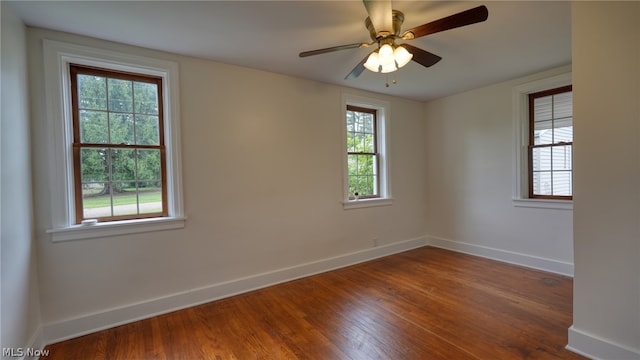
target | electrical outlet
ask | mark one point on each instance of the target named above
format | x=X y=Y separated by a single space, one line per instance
x=375 y=242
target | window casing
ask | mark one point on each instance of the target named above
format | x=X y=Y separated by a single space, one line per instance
x=58 y=58
x=366 y=156
x=552 y=79
x=550 y=144
x=118 y=145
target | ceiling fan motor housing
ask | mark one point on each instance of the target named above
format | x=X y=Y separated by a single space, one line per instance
x=396 y=22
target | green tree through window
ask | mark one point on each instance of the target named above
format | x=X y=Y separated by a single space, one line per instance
x=118 y=146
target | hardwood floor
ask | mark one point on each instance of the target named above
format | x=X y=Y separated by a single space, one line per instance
x=426 y=303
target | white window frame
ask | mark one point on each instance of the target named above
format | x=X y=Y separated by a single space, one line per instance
x=383 y=109
x=521 y=139
x=57 y=57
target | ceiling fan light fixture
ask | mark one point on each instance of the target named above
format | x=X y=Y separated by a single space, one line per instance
x=387 y=68
x=373 y=63
x=385 y=56
x=386 y=51
x=402 y=56
x=388 y=58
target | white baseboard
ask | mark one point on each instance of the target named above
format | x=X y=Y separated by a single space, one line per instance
x=34 y=349
x=67 y=329
x=550 y=265
x=596 y=348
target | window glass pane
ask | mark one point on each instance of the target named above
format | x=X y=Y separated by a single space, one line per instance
x=93 y=127
x=149 y=197
x=562 y=183
x=542 y=132
x=368 y=123
x=563 y=105
x=541 y=159
x=148 y=164
x=365 y=165
x=369 y=145
x=121 y=128
x=147 y=130
x=360 y=142
x=120 y=95
x=351 y=142
x=563 y=133
x=95 y=202
x=562 y=157
x=123 y=167
x=92 y=92
x=350 y=121
x=125 y=201
x=542 y=108
x=353 y=188
x=360 y=132
x=359 y=122
x=359 y=166
x=145 y=98
x=94 y=164
x=130 y=199
x=362 y=175
x=542 y=183
x=362 y=186
x=352 y=165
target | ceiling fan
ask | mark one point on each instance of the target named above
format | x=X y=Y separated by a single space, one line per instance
x=384 y=25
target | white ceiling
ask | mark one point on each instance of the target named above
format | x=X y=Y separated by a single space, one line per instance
x=519 y=37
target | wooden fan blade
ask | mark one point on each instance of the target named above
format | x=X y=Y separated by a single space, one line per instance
x=422 y=57
x=468 y=17
x=358 y=69
x=332 y=49
x=380 y=14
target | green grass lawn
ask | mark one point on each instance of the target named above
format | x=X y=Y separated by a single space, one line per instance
x=123 y=198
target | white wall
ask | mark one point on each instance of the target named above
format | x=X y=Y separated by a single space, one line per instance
x=470 y=147
x=262 y=173
x=606 y=53
x=20 y=313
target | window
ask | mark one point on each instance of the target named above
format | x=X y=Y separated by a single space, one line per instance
x=551 y=143
x=366 y=155
x=114 y=144
x=118 y=145
x=540 y=136
x=362 y=153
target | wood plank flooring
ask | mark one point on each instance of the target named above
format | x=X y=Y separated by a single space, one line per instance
x=427 y=303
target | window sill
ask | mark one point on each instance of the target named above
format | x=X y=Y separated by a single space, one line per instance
x=544 y=204
x=81 y=232
x=364 y=203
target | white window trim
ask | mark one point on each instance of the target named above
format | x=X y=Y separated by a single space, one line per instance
x=383 y=115
x=57 y=57
x=521 y=138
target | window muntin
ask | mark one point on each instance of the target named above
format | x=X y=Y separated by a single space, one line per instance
x=551 y=144
x=118 y=145
x=363 y=158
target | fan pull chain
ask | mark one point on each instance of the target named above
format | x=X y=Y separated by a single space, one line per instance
x=394 y=81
